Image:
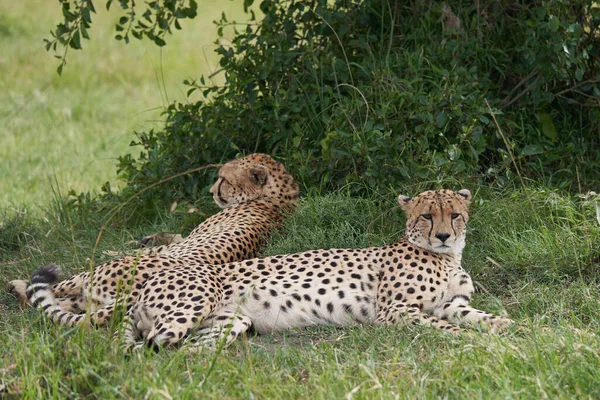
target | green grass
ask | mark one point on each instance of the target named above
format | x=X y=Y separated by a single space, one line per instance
x=552 y=352
x=533 y=253
x=70 y=129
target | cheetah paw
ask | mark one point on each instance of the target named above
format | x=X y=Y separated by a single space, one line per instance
x=499 y=324
x=159 y=239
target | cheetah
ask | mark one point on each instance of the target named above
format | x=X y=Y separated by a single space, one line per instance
x=152 y=244
x=417 y=279
x=255 y=192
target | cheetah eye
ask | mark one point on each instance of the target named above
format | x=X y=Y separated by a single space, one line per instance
x=455 y=215
x=426 y=216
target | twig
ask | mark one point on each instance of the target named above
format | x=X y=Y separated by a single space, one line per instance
x=586 y=227
x=363 y=97
x=340 y=43
x=478 y=30
x=115 y=210
x=576 y=86
x=510 y=103
x=512 y=157
x=521 y=83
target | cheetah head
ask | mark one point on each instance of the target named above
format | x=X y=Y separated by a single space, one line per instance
x=256 y=176
x=437 y=220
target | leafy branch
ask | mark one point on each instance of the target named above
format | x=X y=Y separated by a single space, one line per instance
x=158 y=19
x=77 y=20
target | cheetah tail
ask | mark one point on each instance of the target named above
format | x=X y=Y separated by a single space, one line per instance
x=39 y=291
x=40 y=294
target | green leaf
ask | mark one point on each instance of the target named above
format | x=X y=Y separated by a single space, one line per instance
x=547 y=126
x=84 y=33
x=85 y=15
x=440 y=119
x=532 y=149
x=297 y=130
x=190 y=12
x=553 y=23
x=75 y=42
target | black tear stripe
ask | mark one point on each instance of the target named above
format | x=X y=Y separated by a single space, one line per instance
x=221 y=199
x=452 y=225
x=430 y=230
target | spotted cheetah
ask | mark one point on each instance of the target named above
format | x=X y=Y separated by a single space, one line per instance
x=255 y=192
x=418 y=279
x=152 y=244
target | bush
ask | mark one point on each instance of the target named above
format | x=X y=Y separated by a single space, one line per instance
x=384 y=93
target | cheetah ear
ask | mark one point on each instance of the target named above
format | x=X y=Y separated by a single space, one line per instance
x=466 y=193
x=258 y=175
x=404 y=201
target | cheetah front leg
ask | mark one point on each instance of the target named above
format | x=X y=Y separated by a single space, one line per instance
x=398 y=313
x=135 y=325
x=225 y=324
x=459 y=311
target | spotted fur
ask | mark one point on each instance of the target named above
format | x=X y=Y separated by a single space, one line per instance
x=417 y=279
x=255 y=192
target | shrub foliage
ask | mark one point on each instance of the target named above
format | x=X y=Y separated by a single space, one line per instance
x=385 y=92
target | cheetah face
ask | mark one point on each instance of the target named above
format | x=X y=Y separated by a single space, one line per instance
x=437 y=220
x=238 y=185
x=253 y=177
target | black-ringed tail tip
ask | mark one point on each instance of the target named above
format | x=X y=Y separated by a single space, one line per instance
x=41 y=279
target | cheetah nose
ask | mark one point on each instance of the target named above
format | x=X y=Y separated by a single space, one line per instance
x=442 y=236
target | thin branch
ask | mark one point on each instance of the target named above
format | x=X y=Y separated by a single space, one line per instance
x=510 y=153
x=116 y=209
x=521 y=83
x=364 y=99
x=572 y=101
x=527 y=89
x=571 y=89
x=340 y=43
